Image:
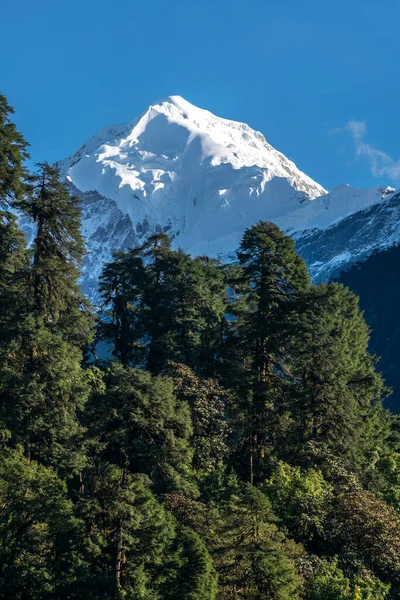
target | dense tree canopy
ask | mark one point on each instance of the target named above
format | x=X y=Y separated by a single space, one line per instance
x=232 y=445
x=377 y=282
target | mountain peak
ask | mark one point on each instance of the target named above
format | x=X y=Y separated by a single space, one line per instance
x=179 y=102
x=201 y=178
x=174 y=129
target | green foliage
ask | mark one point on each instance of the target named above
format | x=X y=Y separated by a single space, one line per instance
x=235 y=447
x=271 y=279
x=368 y=587
x=42 y=384
x=140 y=550
x=301 y=498
x=365 y=527
x=197 y=578
x=57 y=255
x=130 y=532
x=122 y=286
x=387 y=467
x=40 y=397
x=253 y=556
x=274 y=275
x=40 y=550
x=13 y=152
x=376 y=282
x=330 y=583
x=164 y=306
x=137 y=424
x=338 y=393
x=14 y=265
x=208 y=404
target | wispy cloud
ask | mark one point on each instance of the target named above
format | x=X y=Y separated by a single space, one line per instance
x=381 y=164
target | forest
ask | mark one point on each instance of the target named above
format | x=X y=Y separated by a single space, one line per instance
x=232 y=445
x=380 y=304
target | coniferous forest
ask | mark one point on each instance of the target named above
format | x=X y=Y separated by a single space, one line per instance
x=380 y=305
x=232 y=446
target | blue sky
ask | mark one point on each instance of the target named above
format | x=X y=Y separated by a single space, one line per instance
x=321 y=80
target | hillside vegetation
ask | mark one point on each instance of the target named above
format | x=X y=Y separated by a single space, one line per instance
x=377 y=283
x=233 y=446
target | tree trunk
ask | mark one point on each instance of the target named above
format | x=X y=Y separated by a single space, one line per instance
x=81 y=483
x=119 y=556
x=251 y=459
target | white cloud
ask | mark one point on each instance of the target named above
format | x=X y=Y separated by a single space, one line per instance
x=357 y=129
x=382 y=165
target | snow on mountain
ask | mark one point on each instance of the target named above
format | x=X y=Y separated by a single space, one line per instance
x=203 y=179
x=353 y=238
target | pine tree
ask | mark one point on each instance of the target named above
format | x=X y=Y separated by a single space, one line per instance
x=13 y=153
x=123 y=285
x=185 y=300
x=138 y=442
x=275 y=275
x=14 y=264
x=196 y=576
x=212 y=304
x=163 y=305
x=41 y=552
x=130 y=532
x=13 y=258
x=140 y=550
x=336 y=402
x=273 y=279
x=254 y=559
x=13 y=253
x=140 y=426
x=42 y=385
x=57 y=255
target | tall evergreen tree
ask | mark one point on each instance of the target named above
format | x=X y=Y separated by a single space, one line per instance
x=253 y=558
x=139 y=426
x=14 y=265
x=273 y=279
x=186 y=303
x=139 y=438
x=164 y=305
x=123 y=285
x=140 y=550
x=42 y=383
x=275 y=275
x=13 y=153
x=57 y=255
x=13 y=254
x=42 y=551
x=196 y=576
x=336 y=402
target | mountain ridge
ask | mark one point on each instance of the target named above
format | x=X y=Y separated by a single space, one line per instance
x=203 y=179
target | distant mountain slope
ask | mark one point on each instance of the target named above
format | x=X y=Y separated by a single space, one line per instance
x=352 y=239
x=377 y=282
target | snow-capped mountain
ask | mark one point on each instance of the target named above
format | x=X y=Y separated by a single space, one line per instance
x=352 y=239
x=203 y=179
